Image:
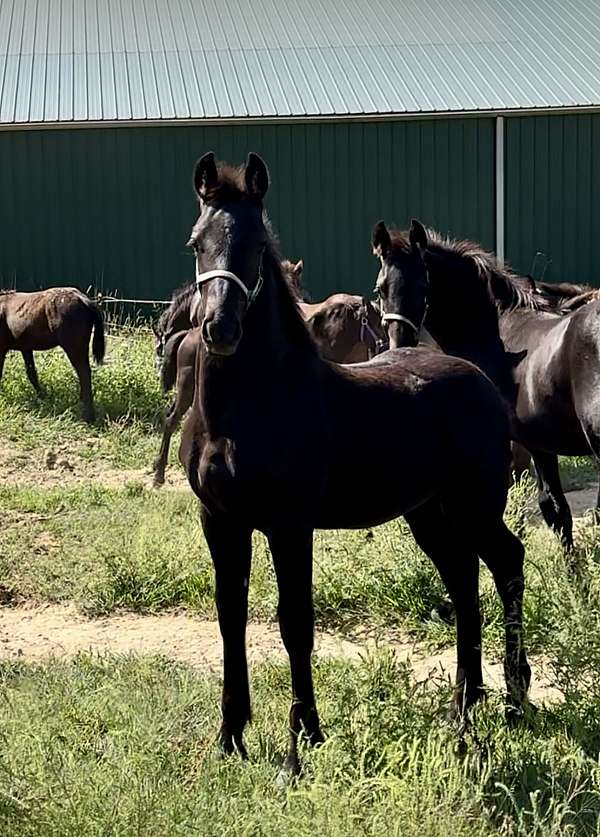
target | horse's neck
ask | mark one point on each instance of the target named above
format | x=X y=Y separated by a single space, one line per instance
x=475 y=339
x=244 y=384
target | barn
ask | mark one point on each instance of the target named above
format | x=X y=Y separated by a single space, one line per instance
x=481 y=118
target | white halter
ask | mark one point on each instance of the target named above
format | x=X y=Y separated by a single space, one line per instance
x=400 y=318
x=202 y=278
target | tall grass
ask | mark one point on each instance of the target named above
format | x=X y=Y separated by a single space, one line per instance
x=127 y=746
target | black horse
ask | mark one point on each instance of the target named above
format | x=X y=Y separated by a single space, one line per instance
x=282 y=441
x=542 y=351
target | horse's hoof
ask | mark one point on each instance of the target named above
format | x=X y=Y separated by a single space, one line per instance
x=288 y=774
x=158 y=482
x=521 y=715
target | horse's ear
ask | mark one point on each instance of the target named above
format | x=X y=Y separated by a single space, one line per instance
x=532 y=285
x=298 y=269
x=381 y=240
x=206 y=176
x=417 y=235
x=256 y=176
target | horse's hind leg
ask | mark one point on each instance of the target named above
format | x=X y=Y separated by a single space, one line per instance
x=2 y=359
x=551 y=498
x=231 y=552
x=458 y=566
x=81 y=364
x=292 y=558
x=503 y=553
x=31 y=370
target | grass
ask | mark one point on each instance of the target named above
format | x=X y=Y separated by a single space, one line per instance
x=128 y=399
x=125 y=746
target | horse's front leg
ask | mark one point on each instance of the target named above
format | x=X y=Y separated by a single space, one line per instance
x=292 y=558
x=231 y=551
x=551 y=498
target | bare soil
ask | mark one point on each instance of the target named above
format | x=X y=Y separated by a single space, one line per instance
x=37 y=633
x=63 y=466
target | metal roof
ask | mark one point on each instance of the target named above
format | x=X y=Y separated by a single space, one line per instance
x=113 y=60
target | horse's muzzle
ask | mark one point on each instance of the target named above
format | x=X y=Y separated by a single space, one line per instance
x=220 y=337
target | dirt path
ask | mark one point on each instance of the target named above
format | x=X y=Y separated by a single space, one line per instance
x=39 y=633
x=62 y=466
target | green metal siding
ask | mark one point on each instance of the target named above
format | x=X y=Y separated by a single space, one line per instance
x=112 y=207
x=553 y=195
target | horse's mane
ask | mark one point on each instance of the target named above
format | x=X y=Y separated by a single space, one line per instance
x=469 y=263
x=181 y=299
x=292 y=320
x=566 y=297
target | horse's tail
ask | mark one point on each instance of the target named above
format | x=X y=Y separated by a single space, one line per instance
x=168 y=370
x=98 y=340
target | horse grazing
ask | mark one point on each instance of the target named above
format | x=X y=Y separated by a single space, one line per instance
x=545 y=362
x=55 y=317
x=282 y=441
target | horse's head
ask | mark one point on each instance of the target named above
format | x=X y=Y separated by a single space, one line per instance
x=228 y=239
x=402 y=284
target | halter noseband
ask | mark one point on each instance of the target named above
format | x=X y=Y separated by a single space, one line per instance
x=202 y=278
x=400 y=318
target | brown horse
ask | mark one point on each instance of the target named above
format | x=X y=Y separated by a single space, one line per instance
x=177 y=369
x=345 y=328
x=282 y=441
x=42 y=320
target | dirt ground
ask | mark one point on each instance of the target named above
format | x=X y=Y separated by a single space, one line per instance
x=38 y=633
x=63 y=466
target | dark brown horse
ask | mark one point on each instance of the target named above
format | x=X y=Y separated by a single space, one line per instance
x=345 y=328
x=176 y=370
x=281 y=441
x=55 y=317
x=174 y=319
x=545 y=363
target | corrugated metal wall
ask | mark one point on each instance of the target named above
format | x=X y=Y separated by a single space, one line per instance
x=113 y=207
x=553 y=195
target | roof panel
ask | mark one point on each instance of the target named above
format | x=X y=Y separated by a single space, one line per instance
x=66 y=88
x=150 y=90
x=84 y=60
